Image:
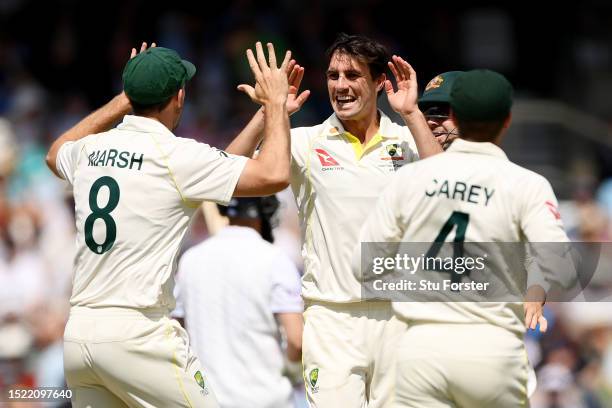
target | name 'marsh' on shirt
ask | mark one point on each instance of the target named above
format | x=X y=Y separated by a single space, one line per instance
x=115 y=158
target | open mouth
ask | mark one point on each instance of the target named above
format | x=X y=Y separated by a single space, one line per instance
x=345 y=100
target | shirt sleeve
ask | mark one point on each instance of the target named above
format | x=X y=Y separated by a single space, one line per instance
x=299 y=159
x=203 y=173
x=540 y=217
x=299 y=146
x=66 y=160
x=549 y=247
x=286 y=286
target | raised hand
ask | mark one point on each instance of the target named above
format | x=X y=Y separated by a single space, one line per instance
x=271 y=81
x=143 y=47
x=122 y=97
x=404 y=100
x=295 y=101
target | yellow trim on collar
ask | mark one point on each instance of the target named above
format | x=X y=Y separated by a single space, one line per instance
x=358 y=147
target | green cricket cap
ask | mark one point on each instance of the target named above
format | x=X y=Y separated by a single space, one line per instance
x=438 y=89
x=155 y=75
x=481 y=95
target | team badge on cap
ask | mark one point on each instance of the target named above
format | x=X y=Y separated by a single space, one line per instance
x=434 y=83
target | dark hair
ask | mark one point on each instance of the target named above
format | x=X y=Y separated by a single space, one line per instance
x=479 y=131
x=145 y=110
x=263 y=209
x=371 y=52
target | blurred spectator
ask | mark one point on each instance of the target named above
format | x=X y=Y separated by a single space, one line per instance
x=47 y=322
x=604 y=196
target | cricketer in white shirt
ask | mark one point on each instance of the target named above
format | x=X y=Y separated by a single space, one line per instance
x=230 y=289
x=466 y=354
x=135 y=189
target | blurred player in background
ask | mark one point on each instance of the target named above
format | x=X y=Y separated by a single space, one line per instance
x=435 y=105
x=339 y=168
x=468 y=354
x=136 y=188
x=239 y=296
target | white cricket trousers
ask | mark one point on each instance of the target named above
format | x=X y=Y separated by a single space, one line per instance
x=461 y=366
x=119 y=357
x=349 y=354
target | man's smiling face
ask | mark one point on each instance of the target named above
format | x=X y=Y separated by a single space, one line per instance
x=352 y=91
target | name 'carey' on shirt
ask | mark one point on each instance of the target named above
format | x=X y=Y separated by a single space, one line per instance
x=460 y=190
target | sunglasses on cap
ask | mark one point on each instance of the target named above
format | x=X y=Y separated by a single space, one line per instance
x=437 y=112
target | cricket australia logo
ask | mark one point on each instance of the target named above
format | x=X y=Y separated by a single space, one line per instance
x=313 y=377
x=393 y=156
x=200 y=380
x=394 y=151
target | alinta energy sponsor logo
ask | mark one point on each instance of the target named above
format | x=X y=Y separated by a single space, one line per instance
x=327 y=161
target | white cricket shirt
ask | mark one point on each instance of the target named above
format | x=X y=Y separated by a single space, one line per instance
x=336 y=182
x=135 y=189
x=228 y=289
x=504 y=202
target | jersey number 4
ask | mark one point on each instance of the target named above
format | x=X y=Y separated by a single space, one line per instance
x=461 y=220
x=103 y=214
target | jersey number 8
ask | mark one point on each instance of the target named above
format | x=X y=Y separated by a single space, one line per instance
x=103 y=214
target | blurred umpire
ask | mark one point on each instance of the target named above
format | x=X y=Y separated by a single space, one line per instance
x=240 y=300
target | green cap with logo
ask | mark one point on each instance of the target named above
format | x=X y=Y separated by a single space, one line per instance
x=155 y=75
x=481 y=95
x=438 y=89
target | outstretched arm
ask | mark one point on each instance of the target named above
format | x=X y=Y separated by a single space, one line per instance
x=250 y=137
x=269 y=172
x=99 y=121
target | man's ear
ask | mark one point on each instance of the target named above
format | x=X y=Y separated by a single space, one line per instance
x=181 y=98
x=507 y=121
x=380 y=82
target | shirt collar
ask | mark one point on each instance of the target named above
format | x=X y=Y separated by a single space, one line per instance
x=385 y=130
x=135 y=123
x=486 y=148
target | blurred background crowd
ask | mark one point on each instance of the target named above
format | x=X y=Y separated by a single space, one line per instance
x=61 y=59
